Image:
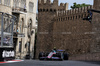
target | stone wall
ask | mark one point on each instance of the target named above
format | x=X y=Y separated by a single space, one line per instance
x=86 y=57
x=74 y=36
x=66 y=29
x=71 y=32
x=95 y=47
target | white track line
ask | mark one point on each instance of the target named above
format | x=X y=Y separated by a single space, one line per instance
x=13 y=61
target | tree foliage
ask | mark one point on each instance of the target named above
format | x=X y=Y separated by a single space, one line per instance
x=75 y=5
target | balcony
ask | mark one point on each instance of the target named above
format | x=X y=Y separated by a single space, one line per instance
x=19 y=10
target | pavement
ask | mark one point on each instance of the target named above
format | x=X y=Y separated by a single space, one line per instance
x=51 y=63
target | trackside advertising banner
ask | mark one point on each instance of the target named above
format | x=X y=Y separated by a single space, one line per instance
x=7 y=54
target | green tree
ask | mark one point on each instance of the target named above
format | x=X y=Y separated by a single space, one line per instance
x=75 y=5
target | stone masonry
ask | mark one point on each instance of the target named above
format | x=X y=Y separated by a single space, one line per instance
x=66 y=29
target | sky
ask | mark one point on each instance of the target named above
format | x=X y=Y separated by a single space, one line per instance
x=77 y=1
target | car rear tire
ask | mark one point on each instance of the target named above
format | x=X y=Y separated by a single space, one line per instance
x=40 y=55
x=65 y=56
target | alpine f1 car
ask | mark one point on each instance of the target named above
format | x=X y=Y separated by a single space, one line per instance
x=58 y=55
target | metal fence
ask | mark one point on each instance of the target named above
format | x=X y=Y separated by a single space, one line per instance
x=6 y=29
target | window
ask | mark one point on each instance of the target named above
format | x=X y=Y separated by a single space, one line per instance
x=20 y=42
x=31 y=7
x=16 y=3
x=23 y=4
x=7 y=2
x=29 y=27
x=50 y=10
x=21 y=25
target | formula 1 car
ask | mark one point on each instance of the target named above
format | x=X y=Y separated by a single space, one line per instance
x=58 y=55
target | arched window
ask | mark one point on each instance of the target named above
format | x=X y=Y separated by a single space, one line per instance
x=21 y=25
x=29 y=27
x=50 y=10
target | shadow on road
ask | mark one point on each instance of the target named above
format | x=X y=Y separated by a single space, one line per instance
x=93 y=62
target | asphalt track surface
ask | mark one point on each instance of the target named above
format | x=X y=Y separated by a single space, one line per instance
x=51 y=63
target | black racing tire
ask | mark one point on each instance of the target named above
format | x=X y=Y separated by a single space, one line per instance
x=40 y=55
x=65 y=56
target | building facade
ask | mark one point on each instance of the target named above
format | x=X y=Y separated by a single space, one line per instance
x=24 y=27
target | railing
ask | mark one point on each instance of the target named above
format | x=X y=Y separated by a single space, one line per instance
x=18 y=9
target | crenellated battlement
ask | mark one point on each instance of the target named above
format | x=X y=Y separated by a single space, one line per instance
x=47 y=5
x=72 y=14
x=73 y=11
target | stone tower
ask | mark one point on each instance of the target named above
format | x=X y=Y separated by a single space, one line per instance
x=96 y=27
x=46 y=13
